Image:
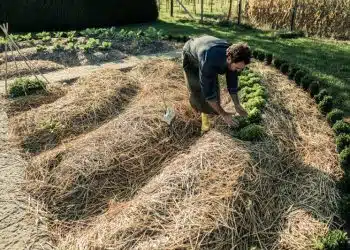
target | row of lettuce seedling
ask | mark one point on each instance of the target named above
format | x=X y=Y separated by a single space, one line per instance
x=302 y=77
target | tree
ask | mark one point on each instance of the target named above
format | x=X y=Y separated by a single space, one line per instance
x=229 y=11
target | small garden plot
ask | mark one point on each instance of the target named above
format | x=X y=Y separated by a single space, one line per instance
x=79 y=178
x=20 y=68
x=92 y=100
x=20 y=104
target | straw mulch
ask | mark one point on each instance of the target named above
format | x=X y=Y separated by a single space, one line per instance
x=20 y=68
x=18 y=105
x=79 y=178
x=293 y=117
x=225 y=194
x=92 y=100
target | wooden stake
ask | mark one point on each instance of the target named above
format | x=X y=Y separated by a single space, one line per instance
x=6 y=41
x=185 y=9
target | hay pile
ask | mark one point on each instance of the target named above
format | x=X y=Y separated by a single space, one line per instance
x=179 y=208
x=92 y=100
x=20 y=69
x=225 y=194
x=114 y=161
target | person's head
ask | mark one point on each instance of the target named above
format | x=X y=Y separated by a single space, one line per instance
x=238 y=56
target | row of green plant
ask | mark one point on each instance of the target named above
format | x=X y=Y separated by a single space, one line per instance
x=89 y=45
x=25 y=86
x=253 y=98
x=304 y=79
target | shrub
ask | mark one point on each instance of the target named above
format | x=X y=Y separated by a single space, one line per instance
x=292 y=71
x=306 y=81
x=342 y=141
x=344 y=158
x=257 y=102
x=341 y=127
x=255 y=53
x=41 y=48
x=58 y=47
x=254 y=116
x=334 y=116
x=261 y=55
x=242 y=121
x=253 y=74
x=326 y=104
x=105 y=46
x=334 y=240
x=344 y=205
x=25 y=86
x=319 y=97
x=268 y=58
x=299 y=75
x=277 y=62
x=314 y=88
x=284 y=68
x=251 y=132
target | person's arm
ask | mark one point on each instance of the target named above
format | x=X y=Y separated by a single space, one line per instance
x=208 y=85
x=232 y=87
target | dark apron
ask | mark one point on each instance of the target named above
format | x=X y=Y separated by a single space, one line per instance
x=191 y=69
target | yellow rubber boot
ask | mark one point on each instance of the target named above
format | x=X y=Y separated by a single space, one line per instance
x=205 y=123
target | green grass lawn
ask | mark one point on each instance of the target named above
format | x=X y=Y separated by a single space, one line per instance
x=327 y=59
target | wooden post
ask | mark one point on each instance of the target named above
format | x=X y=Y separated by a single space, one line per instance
x=171 y=8
x=202 y=10
x=293 y=16
x=6 y=41
x=194 y=7
x=239 y=11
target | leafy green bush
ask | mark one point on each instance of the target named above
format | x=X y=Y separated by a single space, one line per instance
x=242 y=121
x=341 y=127
x=334 y=116
x=292 y=71
x=277 y=62
x=342 y=141
x=256 y=102
x=344 y=158
x=251 y=132
x=41 y=48
x=326 y=104
x=25 y=86
x=314 y=88
x=268 y=58
x=284 y=68
x=319 y=97
x=253 y=74
x=299 y=75
x=334 y=240
x=254 y=115
x=58 y=47
x=344 y=204
x=255 y=53
x=42 y=35
x=106 y=45
x=306 y=81
x=261 y=55
x=70 y=46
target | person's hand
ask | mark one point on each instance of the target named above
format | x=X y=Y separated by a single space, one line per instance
x=228 y=119
x=240 y=110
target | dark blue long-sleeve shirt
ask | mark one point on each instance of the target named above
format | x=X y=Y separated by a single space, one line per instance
x=210 y=54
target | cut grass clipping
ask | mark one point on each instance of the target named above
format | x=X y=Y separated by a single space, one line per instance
x=25 y=86
x=94 y=98
x=79 y=178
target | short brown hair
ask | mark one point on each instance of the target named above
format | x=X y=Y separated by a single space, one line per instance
x=239 y=52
